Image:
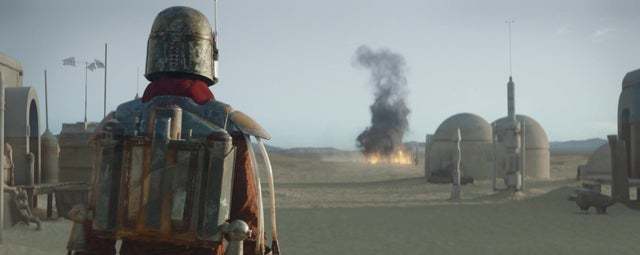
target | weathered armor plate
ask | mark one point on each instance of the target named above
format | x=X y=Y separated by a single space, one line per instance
x=164 y=171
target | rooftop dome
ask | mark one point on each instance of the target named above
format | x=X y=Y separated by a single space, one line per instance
x=631 y=78
x=473 y=128
x=536 y=137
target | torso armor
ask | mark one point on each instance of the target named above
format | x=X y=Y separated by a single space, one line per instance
x=164 y=170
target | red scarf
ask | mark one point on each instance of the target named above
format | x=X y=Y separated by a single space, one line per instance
x=191 y=88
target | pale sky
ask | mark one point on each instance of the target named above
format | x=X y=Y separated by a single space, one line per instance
x=288 y=63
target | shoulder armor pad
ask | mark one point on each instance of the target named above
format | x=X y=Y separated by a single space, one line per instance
x=247 y=125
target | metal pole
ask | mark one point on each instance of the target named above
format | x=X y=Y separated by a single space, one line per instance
x=509 y=22
x=46 y=100
x=86 y=66
x=104 y=111
x=215 y=19
x=137 y=82
x=1 y=157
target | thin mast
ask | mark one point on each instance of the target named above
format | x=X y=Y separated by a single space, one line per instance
x=104 y=109
x=86 y=66
x=46 y=100
x=137 y=82
x=509 y=22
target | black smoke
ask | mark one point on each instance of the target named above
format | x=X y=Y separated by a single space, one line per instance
x=389 y=110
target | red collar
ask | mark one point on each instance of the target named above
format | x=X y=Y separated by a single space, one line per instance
x=191 y=88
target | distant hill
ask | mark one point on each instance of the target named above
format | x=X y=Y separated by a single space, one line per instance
x=577 y=146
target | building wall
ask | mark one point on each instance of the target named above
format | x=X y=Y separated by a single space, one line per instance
x=76 y=154
x=476 y=161
x=537 y=154
x=599 y=162
x=537 y=164
x=11 y=71
x=22 y=130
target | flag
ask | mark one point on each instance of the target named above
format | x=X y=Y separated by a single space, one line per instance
x=92 y=67
x=71 y=61
x=99 y=64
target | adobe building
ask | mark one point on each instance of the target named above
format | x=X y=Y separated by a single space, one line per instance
x=477 y=156
x=537 y=156
x=76 y=155
x=22 y=131
x=487 y=148
x=598 y=166
x=22 y=122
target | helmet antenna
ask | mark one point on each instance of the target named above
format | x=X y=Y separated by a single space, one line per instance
x=215 y=36
x=215 y=19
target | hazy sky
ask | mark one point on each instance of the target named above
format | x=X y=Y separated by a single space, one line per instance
x=288 y=63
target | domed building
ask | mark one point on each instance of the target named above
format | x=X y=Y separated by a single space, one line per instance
x=536 y=143
x=598 y=165
x=476 y=144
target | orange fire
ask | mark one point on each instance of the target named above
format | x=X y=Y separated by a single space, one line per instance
x=399 y=157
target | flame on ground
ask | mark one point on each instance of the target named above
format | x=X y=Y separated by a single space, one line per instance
x=399 y=157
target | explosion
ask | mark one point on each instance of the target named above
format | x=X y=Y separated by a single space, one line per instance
x=399 y=157
x=382 y=140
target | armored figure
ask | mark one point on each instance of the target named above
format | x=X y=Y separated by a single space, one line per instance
x=175 y=171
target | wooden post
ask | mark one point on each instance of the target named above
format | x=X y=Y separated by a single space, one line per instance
x=494 y=174
x=427 y=145
x=455 y=187
x=523 y=154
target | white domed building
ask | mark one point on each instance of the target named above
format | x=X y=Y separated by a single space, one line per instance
x=476 y=144
x=536 y=143
x=484 y=146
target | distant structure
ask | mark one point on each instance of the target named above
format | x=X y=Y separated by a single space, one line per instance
x=22 y=136
x=511 y=148
x=76 y=156
x=477 y=155
x=22 y=123
x=537 y=155
x=625 y=146
x=50 y=146
x=481 y=155
x=598 y=166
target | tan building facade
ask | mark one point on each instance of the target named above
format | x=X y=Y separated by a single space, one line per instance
x=22 y=122
x=76 y=156
x=477 y=155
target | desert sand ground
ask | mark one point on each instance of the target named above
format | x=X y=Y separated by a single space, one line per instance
x=344 y=207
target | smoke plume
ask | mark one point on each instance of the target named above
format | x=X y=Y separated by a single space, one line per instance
x=389 y=110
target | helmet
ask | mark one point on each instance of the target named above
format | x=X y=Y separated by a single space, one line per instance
x=181 y=42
